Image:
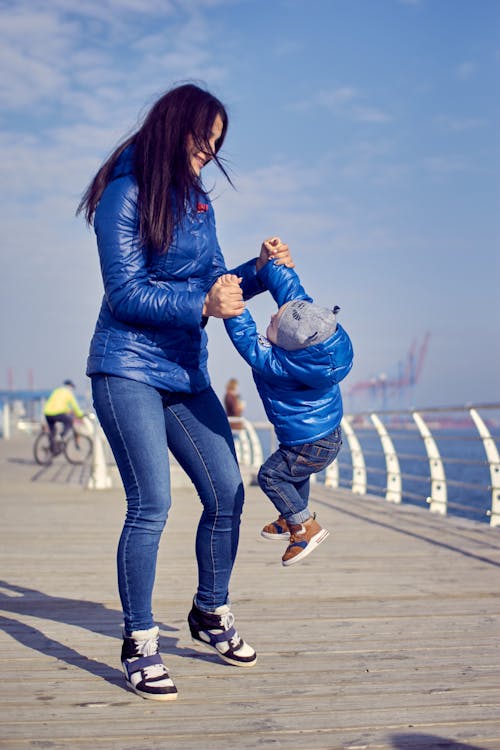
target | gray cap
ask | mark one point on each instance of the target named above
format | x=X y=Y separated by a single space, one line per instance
x=302 y=324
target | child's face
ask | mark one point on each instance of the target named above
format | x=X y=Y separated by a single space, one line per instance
x=272 y=328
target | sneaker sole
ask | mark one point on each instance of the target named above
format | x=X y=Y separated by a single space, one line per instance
x=214 y=650
x=279 y=537
x=314 y=542
x=152 y=696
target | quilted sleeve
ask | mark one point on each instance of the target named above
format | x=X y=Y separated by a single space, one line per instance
x=133 y=297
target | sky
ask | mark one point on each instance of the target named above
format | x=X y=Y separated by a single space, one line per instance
x=364 y=133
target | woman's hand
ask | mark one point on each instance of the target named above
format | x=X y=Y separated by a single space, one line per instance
x=225 y=298
x=274 y=249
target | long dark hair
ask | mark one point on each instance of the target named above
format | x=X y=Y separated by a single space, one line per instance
x=162 y=166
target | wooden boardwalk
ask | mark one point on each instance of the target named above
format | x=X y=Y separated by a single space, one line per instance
x=385 y=638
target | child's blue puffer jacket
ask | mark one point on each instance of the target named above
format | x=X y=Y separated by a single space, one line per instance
x=299 y=389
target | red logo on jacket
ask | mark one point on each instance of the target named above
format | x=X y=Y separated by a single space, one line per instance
x=202 y=207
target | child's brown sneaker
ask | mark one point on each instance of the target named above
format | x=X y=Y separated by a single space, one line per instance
x=276 y=530
x=304 y=538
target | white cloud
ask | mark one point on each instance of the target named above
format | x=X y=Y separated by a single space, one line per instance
x=370 y=114
x=32 y=46
x=53 y=55
x=442 y=166
x=343 y=101
x=280 y=202
x=332 y=99
x=69 y=98
x=287 y=47
x=312 y=212
x=460 y=124
x=466 y=70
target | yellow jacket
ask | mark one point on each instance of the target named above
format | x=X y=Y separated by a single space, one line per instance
x=62 y=401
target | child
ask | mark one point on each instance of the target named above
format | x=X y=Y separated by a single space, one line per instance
x=296 y=369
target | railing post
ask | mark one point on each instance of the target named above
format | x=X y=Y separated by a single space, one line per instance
x=358 y=460
x=332 y=478
x=6 y=421
x=439 y=497
x=100 y=478
x=494 y=462
x=255 y=445
x=394 y=489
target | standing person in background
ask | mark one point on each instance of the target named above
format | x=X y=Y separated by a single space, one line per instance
x=233 y=404
x=297 y=368
x=61 y=406
x=160 y=259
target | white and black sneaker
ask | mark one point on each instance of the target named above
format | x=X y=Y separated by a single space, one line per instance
x=216 y=631
x=145 y=672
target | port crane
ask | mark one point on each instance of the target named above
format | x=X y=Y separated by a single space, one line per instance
x=379 y=389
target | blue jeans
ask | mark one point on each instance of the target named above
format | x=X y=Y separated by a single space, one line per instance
x=142 y=424
x=284 y=477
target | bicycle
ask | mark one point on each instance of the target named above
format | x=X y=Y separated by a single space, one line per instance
x=75 y=446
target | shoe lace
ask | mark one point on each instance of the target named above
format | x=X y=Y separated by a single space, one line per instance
x=227 y=622
x=149 y=647
x=297 y=535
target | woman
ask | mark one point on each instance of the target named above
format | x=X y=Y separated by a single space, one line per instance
x=160 y=260
x=233 y=404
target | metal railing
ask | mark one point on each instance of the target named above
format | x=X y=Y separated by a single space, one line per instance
x=445 y=457
x=247 y=443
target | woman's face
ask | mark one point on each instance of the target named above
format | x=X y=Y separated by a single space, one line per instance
x=199 y=158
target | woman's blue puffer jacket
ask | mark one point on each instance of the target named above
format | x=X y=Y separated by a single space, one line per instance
x=299 y=389
x=150 y=327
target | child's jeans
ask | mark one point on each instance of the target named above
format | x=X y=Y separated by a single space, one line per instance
x=284 y=477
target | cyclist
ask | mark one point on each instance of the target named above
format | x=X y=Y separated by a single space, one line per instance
x=61 y=406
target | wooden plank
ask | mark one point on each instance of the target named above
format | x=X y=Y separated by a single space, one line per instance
x=386 y=637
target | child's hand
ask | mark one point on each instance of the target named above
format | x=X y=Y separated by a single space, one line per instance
x=229 y=278
x=274 y=249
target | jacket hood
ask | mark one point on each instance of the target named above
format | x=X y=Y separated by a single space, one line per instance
x=330 y=360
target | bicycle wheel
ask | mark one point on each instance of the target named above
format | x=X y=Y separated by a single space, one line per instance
x=41 y=449
x=78 y=449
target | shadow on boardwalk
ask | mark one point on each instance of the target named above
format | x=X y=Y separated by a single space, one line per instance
x=429 y=742
x=91 y=615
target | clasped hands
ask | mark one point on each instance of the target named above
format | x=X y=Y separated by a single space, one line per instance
x=225 y=298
